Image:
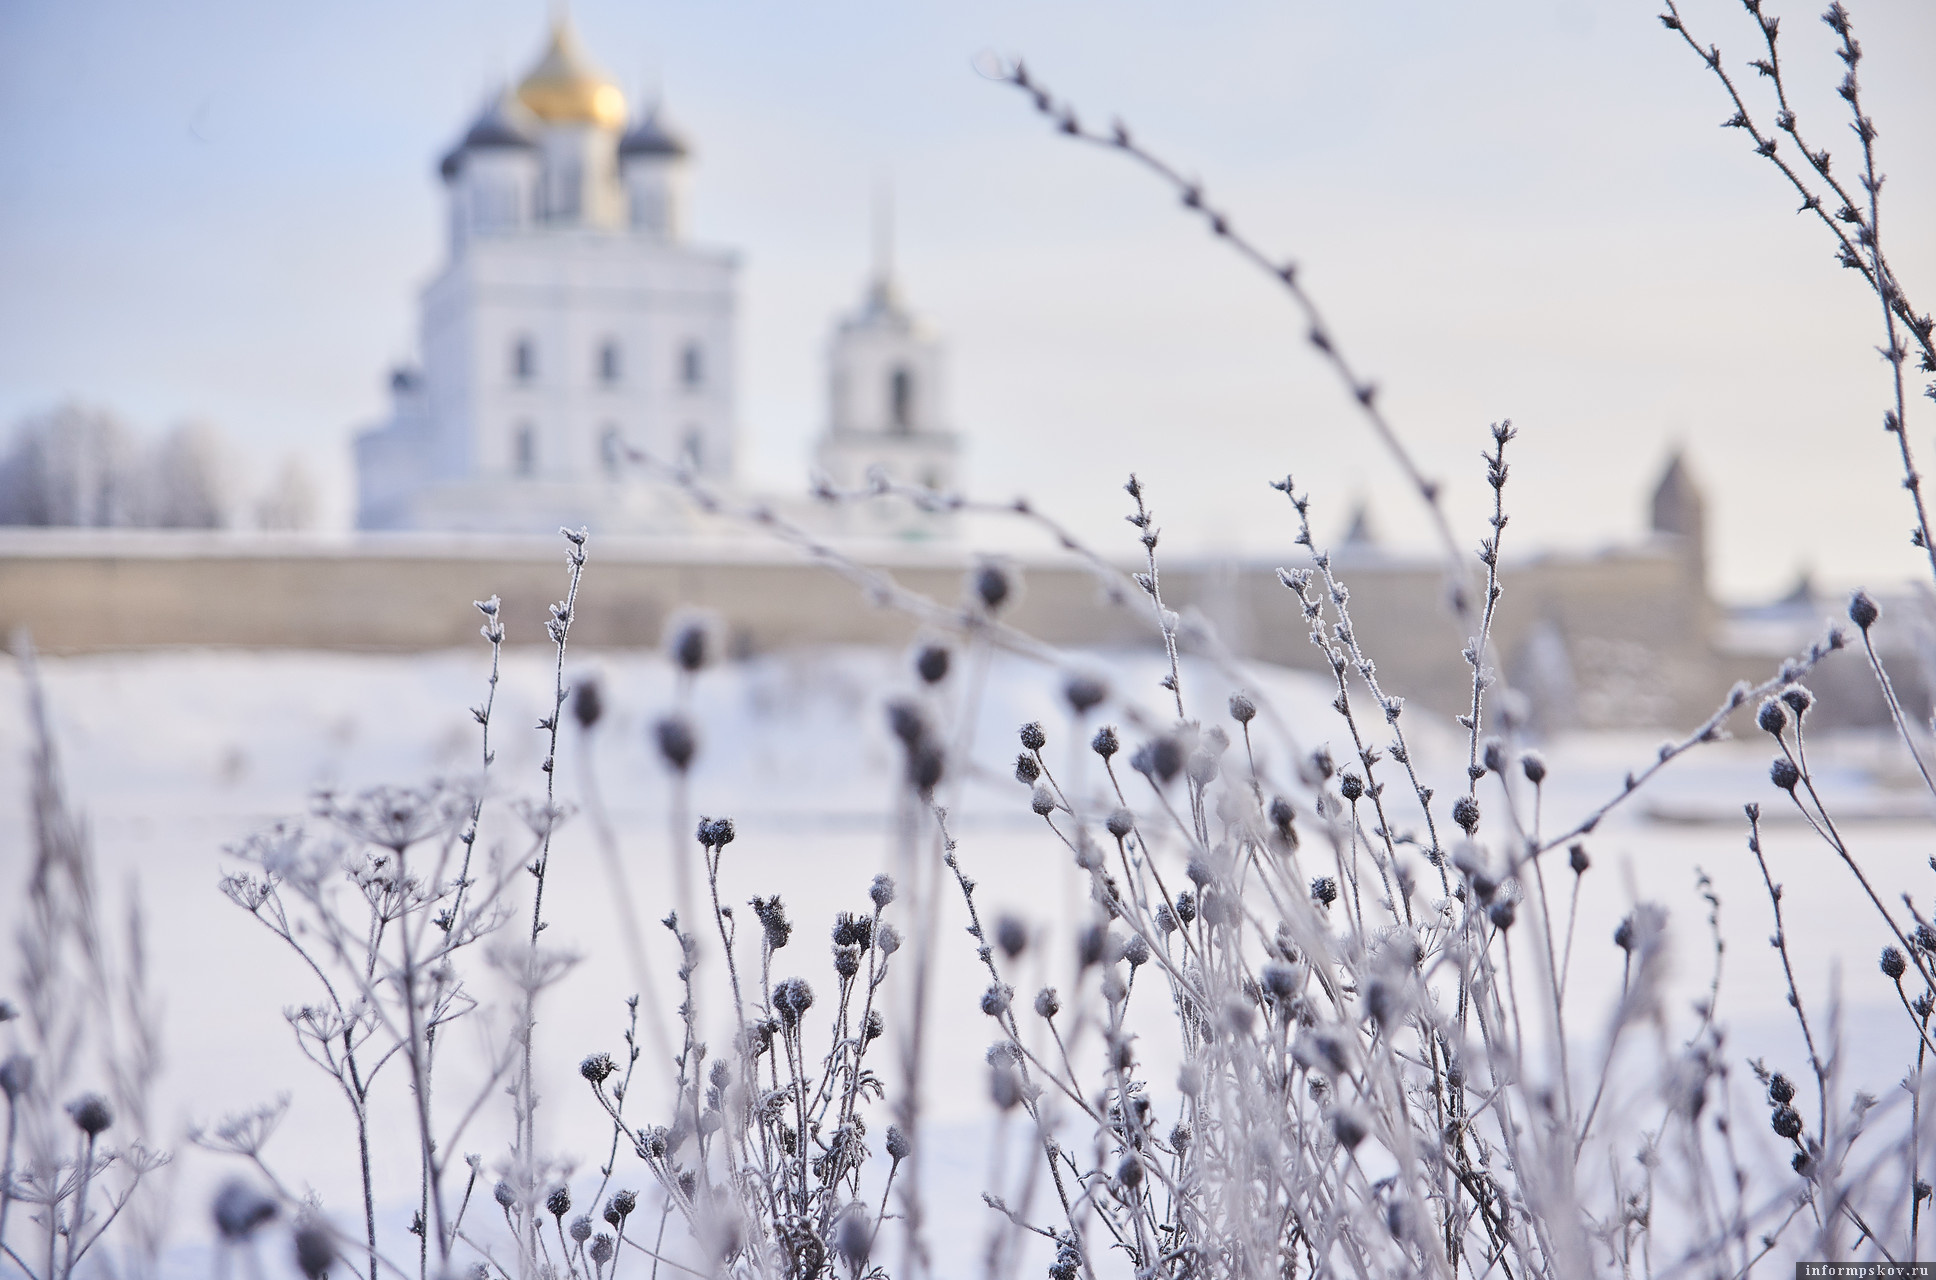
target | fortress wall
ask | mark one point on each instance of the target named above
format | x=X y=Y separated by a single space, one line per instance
x=1636 y=625
x=137 y=591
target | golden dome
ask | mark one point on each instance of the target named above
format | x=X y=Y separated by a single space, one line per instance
x=564 y=88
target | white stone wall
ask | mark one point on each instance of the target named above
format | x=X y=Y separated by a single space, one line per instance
x=655 y=196
x=494 y=193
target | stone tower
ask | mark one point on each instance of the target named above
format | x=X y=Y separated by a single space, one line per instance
x=885 y=413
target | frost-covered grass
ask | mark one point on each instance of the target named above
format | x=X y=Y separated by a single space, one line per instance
x=173 y=756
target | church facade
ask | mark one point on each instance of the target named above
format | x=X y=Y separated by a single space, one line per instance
x=574 y=320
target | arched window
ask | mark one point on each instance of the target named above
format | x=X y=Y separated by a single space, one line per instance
x=900 y=400
x=611 y=450
x=524 y=450
x=692 y=365
x=524 y=360
x=608 y=362
x=692 y=450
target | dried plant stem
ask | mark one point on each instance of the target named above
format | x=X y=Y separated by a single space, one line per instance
x=1766 y=146
x=1349 y=653
x=6 y=1165
x=79 y=1224
x=1114 y=582
x=1363 y=391
x=417 y=1056
x=1709 y=730
x=1903 y=729
x=1824 y=826
x=1475 y=654
x=629 y=930
x=559 y=628
x=1863 y=251
x=1166 y=619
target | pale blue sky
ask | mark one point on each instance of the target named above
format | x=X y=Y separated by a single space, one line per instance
x=1512 y=208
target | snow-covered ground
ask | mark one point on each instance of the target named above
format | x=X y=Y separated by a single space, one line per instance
x=175 y=756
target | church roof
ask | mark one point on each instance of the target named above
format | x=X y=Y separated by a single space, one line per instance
x=1803 y=592
x=564 y=88
x=650 y=137
x=1677 y=500
x=497 y=128
x=1361 y=533
x=503 y=124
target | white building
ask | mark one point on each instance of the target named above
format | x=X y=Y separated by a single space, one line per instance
x=573 y=314
x=884 y=415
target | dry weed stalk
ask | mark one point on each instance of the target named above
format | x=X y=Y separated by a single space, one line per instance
x=75 y=1160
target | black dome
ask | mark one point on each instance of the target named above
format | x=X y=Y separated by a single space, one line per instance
x=494 y=129
x=649 y=138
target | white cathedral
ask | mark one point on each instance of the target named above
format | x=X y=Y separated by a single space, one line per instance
x=573 y=318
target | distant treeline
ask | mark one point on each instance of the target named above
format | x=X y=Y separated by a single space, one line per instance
x=84 y=467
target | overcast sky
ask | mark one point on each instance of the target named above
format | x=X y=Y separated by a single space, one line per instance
x=224 y=209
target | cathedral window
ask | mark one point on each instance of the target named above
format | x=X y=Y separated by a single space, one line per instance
x=900 y=400
x=692 y=451
x=608 y=362
x=692 y=365
x=611 y=450
x=524 y=360
x=524 y=450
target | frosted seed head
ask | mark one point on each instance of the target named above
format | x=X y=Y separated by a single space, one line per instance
x=932 y=663
x=91 y=1114
x=992 y=586
x=1348 y=1127
x=240 y=1210
x=1084 y=693
x=676 y=741
x=16 y=1075
x=587 y=702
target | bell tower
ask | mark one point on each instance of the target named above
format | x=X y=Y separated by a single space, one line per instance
x=885 y=409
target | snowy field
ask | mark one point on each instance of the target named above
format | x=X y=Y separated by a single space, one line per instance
x=175 y=756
